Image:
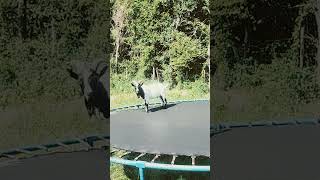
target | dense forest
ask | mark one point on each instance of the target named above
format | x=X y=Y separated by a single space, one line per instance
x=265 y=58
x=162 y=39
x=38 y=39
x=268 y=49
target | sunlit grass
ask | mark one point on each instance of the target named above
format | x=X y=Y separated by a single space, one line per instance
x=126 y=99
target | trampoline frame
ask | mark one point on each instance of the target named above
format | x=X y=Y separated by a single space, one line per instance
x=223 y=127
x=142 y=165
x=88 y=141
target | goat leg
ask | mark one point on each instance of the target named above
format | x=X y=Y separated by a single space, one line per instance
x=89 y=108
x=165 y=100
x=146 y=104
x=163 y=104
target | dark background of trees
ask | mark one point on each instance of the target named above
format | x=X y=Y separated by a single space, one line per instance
x=39 y=38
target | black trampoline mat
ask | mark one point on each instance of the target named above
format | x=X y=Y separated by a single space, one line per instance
x=61 y=166
x=181 y=129
x=267 y=153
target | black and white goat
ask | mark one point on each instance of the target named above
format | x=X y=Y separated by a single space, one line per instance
x=150 y=91
x=93 y=79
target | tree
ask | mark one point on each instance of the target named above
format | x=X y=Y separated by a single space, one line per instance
x=156 y=36
x=39 y=38
x=316 y=5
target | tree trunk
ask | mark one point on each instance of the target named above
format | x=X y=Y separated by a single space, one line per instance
x=157 y=73
x=53 y=38
x=117 y=52
x=235 y=53
x=153 y=73
x=245 y=42
x=301 y=46
x=317 y=16
x=22 y=10
x=177 y=22
x=209 y=62
x=126 y=73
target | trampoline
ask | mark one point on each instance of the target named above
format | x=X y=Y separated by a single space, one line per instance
x=182 y=129
x=45 y=162
x=272 y=150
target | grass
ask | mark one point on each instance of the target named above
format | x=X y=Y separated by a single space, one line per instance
x=39 y=123
x=125 y=96
x=243 y=105
x=125 y=99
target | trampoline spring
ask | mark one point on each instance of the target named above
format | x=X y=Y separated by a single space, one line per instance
x=193 y=159
x=85 y=143
x=126 y=153
x=9 y=156
x=44 y=148
x=173 y=159
x=38 y=147
x=63 y=145
x=24 y=151
x=113 y=151
x=155 y=157
x=142 y=154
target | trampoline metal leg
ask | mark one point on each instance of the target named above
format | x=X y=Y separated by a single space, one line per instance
x=141 y=173
x=141 y=165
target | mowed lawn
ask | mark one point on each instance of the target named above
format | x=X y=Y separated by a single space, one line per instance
x=126 y=99
x=40 y=123
x=240 y=105
x=119 y=172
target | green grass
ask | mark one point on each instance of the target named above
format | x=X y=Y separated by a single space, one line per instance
x=243 y=105
x=125 y=96
x=39 y=123
x=125 y=99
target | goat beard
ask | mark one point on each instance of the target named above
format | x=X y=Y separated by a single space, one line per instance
x=89 y=106
x=139 y=95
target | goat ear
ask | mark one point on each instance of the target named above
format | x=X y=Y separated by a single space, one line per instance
x=103 y=71
x=72 y=73
x=101 y=68
x=92 y=70
x=140 y=83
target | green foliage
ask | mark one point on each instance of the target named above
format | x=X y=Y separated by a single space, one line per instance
x=184 y=50
x=120 y=84
x=171 y=36
x=40 y=38
x=198 y=87
x=258 y=55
